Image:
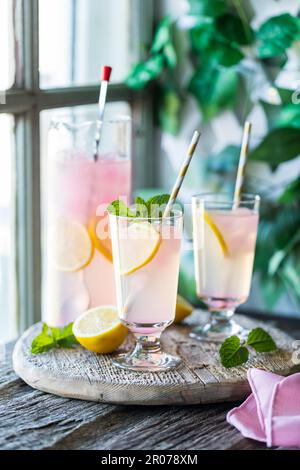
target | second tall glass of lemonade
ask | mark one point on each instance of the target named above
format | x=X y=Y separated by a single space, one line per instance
x=224 y=233
x=77 y=255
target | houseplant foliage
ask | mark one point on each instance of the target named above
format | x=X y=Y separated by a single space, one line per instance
x=221 y=48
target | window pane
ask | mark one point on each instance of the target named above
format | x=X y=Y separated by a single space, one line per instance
x=77 y=37
x=8 y=328
x=10 y=45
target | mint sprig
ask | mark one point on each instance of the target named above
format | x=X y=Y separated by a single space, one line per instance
x=119 y=208
x=234 y=353
x=153 y=208
x=53 y=338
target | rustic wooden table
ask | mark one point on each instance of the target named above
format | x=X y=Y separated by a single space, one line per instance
x=30 y=419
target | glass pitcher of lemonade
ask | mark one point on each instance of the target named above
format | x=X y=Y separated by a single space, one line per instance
x=76 y=246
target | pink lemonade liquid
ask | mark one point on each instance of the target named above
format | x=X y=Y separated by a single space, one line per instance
x=146 y=298
x=224 y=267
x=78 y=190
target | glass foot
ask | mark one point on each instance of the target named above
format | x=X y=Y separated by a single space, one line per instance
x=147 y=362
x=217 y=332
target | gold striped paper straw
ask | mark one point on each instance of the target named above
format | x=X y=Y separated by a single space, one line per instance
x=242 y=162
x=182 y=172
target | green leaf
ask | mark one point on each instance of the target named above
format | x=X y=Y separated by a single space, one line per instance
x=65 y=337
x=291 y=192
x=140 y=200
x=232 y=353
x=279 y=146
x=215 y=90
x=279 y=256
x=53 y=337
x=277 y=34
x=290 y=273
x=157 y=204
x=168 y=111
x=211 y=8
x=141 y=209
x=286 y=95
x=213 y=48
x=144 y=72
x=170 y=55
x=220 y=52
x=162 y=36
x=202 y=35
x=42 y=342
x=289 y=116
x=234 y=30
x=118 y=207
x=272 y=289
x=261 y=341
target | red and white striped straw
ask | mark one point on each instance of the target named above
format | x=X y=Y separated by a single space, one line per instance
x=105 y=76
x=242 y=163
x=184 y=168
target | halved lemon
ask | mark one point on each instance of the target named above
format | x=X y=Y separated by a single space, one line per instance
x=100 y=330
x=217 y=233
x=70 y=246
x=138 y=246
x=183 y=309
x=99 y=233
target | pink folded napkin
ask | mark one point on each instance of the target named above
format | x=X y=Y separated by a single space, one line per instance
x=271 y=413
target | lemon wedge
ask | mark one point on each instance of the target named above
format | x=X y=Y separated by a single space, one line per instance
x=99 y=233
x=217 y=233
x=183 y=309
x=100 y=330
x=70 y=246
x=138 y=246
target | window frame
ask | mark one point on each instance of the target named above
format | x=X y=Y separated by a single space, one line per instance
x=26 y=104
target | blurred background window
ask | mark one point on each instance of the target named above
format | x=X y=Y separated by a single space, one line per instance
x=8 y=319
x=84 y=36
x=51 y=54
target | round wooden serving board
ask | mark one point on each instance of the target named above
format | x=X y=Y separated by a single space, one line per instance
x=78 y=373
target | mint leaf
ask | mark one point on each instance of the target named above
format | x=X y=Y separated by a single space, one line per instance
x=141 y=209
x=261 y=341
x=153 y=208
x=53 y=338
x=232 y=353
x=157 y=204
x=42 y=342
x=118 y=207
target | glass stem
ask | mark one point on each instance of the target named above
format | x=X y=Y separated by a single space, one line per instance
x=221 y=316
x=147 y=344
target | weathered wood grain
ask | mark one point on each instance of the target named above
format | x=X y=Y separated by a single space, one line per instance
x=30 y=419
x=78 y=373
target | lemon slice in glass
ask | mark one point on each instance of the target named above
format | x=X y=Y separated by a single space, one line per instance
x=99 y=233
x=137 y=246
x=217 y=233
x=70 y=246
x=100 y=330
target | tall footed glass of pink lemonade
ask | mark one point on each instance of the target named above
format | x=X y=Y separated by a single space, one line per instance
x=77 y=253
x=146 y=253
x=224 y=235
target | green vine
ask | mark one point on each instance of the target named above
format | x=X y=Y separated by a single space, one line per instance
x=219 y=41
